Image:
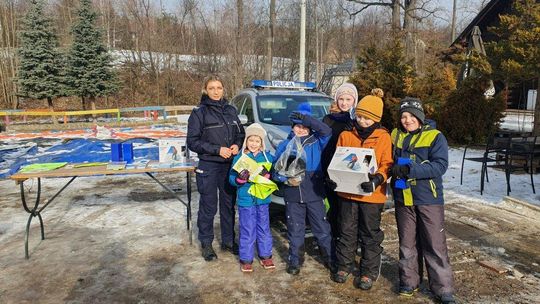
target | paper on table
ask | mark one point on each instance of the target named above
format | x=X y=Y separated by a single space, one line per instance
x=42 y=167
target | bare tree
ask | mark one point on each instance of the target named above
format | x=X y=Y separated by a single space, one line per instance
x=9 y=25
x=270 y=40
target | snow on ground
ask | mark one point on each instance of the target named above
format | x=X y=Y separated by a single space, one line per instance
x=495 y=190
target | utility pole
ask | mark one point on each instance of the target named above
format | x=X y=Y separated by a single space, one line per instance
x=270 y=41
x=454 y=9
x=302 y=76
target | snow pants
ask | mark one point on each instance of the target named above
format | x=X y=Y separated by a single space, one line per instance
x=254 y=227
x=362 y=221
x=422 y=228
x=212 y=178
x=296 y=229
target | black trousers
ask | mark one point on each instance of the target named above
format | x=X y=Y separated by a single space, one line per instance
x=333 y=213
x=363 y=219
x=212 y=179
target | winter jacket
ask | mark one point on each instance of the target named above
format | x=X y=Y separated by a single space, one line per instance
x=338 y=122
x=380 y=141
x=243 y=198
x=428 y=152
x=311 y=188
x=212 y=125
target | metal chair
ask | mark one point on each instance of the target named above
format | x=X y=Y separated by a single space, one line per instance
x=495 y=146
x=526 y=149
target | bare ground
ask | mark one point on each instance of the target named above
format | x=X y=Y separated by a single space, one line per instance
x=121 y=240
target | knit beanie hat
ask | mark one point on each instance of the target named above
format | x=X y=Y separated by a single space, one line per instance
x=413 y=106
x=255 y=129
x=303 y=108
x=371 y=106
x=345 y=89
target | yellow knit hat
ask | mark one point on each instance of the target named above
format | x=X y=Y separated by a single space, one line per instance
x=371 y=106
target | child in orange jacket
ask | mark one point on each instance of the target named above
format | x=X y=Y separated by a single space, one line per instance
x=361 y=214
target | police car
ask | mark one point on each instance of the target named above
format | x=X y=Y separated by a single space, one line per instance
x=270 y=103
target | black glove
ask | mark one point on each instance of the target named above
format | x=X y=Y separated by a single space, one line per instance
x=297 y=117
x=374 y=181
x=399 y=171
x=330 y=184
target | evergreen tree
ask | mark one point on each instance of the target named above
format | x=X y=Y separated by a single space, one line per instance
x=89 y=72
x=515 y=55
x=388 y=69
x=39 y=73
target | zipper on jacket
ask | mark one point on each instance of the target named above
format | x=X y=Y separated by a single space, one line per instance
x=226 y=124
x=213 y=127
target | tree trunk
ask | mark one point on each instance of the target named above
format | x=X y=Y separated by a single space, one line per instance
x=396 y=16
x=536 y=129
x=270 y=41
x=51 y=109
x=409 y=29
x=93 y=106
x=238 y=71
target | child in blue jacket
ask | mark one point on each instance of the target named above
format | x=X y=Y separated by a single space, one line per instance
x=306 y=196
x=252 y=205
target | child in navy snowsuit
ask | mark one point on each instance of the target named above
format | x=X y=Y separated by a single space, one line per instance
x=252 y=210
x=305 y=196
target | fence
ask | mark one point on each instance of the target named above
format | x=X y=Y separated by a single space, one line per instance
x=150 y=112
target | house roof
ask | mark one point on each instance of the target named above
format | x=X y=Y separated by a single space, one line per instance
x=485 y=18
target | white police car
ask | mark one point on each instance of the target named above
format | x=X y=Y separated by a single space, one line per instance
x=270 y=103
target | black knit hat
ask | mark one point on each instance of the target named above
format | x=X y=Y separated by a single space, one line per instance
x=413 y=106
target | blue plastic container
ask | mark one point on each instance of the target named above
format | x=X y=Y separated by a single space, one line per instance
x=116 y=152
x=127 y=152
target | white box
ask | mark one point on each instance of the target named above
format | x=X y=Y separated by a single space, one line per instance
x=172 y=150
x=350 y=167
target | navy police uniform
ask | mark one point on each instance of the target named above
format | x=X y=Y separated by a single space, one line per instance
x=212 y=125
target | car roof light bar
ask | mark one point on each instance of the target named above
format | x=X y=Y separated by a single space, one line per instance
x=278 y=84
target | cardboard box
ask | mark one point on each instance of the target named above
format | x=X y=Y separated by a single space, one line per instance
x=172 y=150
x=350 y=167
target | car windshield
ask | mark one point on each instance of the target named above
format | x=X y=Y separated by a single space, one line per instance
x=275 y=109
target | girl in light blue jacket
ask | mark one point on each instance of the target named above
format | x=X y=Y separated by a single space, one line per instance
x=253 y=201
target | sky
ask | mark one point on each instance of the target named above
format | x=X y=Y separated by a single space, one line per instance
x=466 y=10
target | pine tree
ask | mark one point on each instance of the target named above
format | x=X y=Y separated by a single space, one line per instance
x=388 y=69
x=39 y=73
x=89 y=71
x=515 y=55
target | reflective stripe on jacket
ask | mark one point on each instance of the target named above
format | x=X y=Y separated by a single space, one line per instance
x=428 y=152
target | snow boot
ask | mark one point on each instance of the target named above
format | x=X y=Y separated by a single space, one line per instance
x=208 y=252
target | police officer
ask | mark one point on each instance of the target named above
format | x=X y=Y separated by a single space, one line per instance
x=215 y=134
